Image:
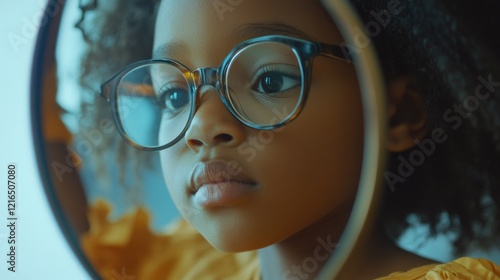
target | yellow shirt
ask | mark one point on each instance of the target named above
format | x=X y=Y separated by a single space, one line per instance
x=460 y=269
x=128 y=248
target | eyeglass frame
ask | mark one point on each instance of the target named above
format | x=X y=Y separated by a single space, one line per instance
x=304 y=50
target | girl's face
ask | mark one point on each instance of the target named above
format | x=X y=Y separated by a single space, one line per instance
x=242 y=188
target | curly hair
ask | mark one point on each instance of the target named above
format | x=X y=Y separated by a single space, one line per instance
x=442 y=44
x=114 y=29
x=451 y=54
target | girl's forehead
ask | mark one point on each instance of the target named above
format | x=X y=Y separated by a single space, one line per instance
x=237 y=20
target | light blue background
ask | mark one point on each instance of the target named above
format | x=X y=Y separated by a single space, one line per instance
x=42 y=252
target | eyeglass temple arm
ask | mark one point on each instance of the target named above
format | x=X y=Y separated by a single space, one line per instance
x=335 y=51
x=105 y=90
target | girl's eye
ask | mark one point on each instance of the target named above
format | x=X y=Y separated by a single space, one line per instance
x=275 y=79
x=174 y=100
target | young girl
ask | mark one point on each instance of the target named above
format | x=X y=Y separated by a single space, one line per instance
x=260 y=135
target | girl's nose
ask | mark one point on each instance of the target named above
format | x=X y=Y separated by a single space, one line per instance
x=213 y=124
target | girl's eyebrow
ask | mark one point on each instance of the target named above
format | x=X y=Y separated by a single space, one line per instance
x=170 y=49
x=258 y=29
x=251 y=30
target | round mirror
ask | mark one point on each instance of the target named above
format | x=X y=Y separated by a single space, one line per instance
x=126 y=113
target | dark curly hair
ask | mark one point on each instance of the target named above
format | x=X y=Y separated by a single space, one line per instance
x=449 y=47
x=116 y=33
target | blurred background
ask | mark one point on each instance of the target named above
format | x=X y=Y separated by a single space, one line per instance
x=42 y=252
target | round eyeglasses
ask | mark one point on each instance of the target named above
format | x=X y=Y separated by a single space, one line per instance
x=263 y=82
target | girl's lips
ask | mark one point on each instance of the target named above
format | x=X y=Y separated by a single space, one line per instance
x=221 y=194
x=218 y=183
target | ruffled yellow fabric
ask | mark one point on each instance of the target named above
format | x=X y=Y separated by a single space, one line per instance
x=461 y=269
x=128 y=249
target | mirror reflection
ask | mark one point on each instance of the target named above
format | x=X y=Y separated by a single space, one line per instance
x=225 y=139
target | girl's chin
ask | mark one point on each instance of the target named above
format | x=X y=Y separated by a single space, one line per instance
x=236 y=241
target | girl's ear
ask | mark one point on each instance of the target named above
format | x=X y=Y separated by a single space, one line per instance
x=407 y=115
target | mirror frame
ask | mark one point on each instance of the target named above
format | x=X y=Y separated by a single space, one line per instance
x=366 y=205
x=44 y=58
x=373 y=99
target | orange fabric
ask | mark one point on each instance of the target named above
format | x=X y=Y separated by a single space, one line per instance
x=128 y=249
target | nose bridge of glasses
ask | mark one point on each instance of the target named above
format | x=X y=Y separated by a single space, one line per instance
x=206 y=76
